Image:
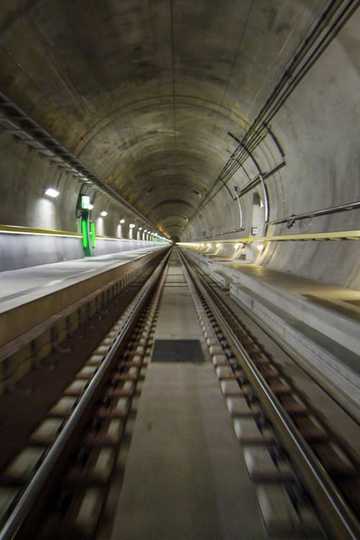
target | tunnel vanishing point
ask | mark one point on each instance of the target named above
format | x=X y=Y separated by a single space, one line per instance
x=179 y=269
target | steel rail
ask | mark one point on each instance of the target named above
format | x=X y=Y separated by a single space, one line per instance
x=337 y=518
x=29 y=498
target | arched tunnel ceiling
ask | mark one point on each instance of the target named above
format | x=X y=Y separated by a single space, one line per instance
x=145 y=92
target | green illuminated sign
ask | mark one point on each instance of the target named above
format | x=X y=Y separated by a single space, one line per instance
x=85 y=233
x=93 y=233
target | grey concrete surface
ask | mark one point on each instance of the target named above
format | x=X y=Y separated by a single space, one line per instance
x=320 y=322
x=22 y=250
x=24 y=285
x=177 y=319
x=19 y=251
x=333 y=362
x=185 y=476
x=182 y=73
x=149 y=110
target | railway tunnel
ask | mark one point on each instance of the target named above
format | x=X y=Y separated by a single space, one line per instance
x=179 y=269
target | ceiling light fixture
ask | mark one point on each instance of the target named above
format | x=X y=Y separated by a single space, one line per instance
x=103 y=213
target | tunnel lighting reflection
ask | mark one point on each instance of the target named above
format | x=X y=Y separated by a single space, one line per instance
x=100 y=226
x=45 y=210
x=52 y=192
x=103 y=213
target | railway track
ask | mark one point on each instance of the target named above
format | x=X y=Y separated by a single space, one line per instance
x=290 y=454
x=57 y=486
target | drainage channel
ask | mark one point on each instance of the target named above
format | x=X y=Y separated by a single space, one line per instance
x=56 y=487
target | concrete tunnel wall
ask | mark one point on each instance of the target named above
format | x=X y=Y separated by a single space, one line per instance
x=319 y=131
x=118 y=123
x=24 y=178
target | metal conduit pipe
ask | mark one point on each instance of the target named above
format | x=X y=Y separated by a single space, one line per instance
x=290 y=79
x=338 y=11
x=241 y=215
x=290 y=220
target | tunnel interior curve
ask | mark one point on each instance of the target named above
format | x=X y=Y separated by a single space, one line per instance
x=155 y=98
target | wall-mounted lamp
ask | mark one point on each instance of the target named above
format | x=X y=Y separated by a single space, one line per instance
x=122 y=221
x=52 y=192
x=103 y=213
x=140 y=228
x=132 y=225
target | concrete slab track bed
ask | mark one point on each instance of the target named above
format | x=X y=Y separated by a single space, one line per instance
x=180 y=476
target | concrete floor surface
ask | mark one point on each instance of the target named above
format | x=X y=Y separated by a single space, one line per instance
x=27 y=284
x=185 y=476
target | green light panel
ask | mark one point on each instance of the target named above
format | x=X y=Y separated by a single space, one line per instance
x=93 y=233
x=84 y=230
